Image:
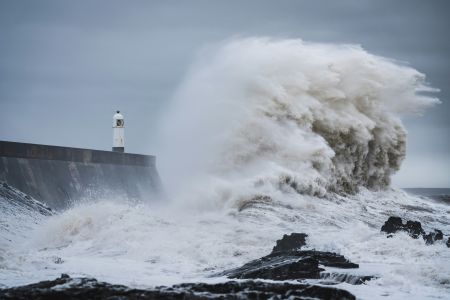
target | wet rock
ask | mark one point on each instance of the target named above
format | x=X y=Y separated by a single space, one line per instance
x=330 y=259
x=335 y=278
x=287 y=262
x=432 y=237
x=293 y=241
x=263 y=290
x=392 y=225
x=88 y=288
x=291 y=245
x=413 y=228
x=395 y=224
x=280 y=267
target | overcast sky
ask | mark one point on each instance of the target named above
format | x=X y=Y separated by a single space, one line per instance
x=66 y=66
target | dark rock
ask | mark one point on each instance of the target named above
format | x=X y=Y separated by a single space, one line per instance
x=413 y=228
x=288 y=262
x=432 y=237
x=88 y=288
x=448 y=242
x=330 y=259
x=290 y=265
x=283 y=267
x=293 y=241
x=392 y=225
x=335 y=278
x=263 y=290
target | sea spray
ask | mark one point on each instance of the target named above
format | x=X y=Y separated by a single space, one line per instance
x=257 y=116
x=258 y=129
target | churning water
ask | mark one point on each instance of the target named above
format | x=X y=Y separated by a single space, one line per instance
x=263 y=138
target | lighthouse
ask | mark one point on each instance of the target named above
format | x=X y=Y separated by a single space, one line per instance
x=118 y=133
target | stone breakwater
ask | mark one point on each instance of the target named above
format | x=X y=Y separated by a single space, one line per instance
x=62 y=176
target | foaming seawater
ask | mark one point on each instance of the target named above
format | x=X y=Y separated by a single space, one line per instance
x=142 y=246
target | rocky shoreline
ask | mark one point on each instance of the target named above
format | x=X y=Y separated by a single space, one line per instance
x=287 y=261
x=413 y=229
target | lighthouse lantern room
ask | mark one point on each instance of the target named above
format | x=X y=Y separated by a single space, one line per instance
x=118 y=133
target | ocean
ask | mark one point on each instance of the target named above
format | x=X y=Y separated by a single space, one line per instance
x=263 y=138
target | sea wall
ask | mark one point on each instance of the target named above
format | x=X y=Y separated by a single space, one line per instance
x=62 y=176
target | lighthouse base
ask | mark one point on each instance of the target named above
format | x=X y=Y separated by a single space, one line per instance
x=118 y=149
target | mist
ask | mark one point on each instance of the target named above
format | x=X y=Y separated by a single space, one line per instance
x=259 y=116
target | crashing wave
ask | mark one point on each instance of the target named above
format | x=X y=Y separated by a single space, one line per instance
x=19 y=212
x=263 y=116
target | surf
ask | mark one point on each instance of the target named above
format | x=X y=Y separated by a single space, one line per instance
x=263 y=137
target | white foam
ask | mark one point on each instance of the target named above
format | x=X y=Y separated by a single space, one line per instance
x=145 y=246
x=259 y=111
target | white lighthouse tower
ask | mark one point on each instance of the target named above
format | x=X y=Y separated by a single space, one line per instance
x=118 y=133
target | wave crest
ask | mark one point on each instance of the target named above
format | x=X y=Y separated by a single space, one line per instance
x=292 y=116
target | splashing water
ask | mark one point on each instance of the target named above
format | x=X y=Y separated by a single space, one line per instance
x=285 y=115
x=264 y=137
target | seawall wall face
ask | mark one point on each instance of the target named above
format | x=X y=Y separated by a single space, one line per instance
x=62 y=176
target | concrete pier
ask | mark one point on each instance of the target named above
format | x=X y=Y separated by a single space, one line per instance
x=62 y=176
